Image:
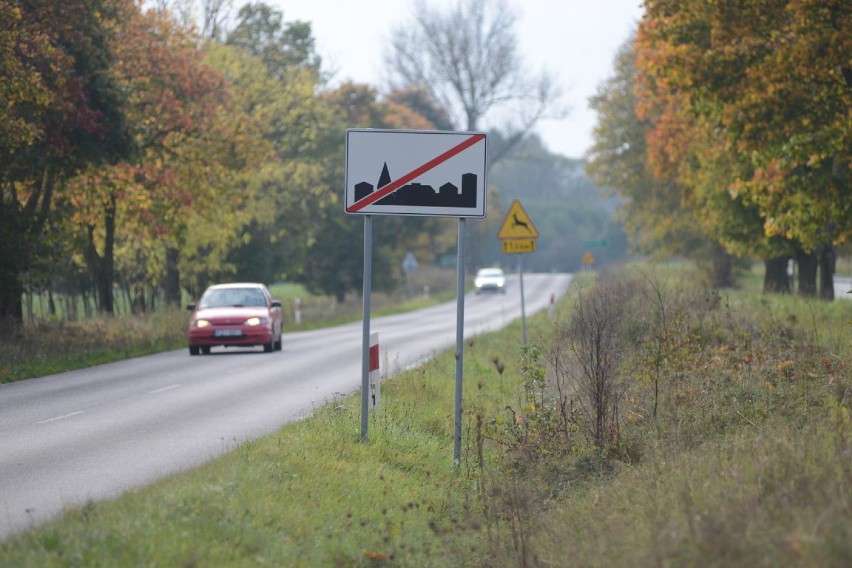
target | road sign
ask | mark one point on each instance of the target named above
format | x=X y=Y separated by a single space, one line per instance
x=518 y=246
x=588 y=258
x=409 y=264
x=596 y=243
x=415 y=172
x=517 y=224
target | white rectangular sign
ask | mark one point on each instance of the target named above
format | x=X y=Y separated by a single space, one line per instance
x=415 y=172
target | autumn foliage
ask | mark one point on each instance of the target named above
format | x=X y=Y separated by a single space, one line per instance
x=746 y=108
x=138 y=155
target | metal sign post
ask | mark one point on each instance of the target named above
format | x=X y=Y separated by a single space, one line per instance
x=365 y=333
x=457 y=416
x=523 y=307
x=415 y=173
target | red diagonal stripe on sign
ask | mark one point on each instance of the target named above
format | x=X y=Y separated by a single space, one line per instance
x=399 y=182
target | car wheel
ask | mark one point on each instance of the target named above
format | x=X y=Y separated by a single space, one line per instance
x=278 y=344
x=205 y=350
x=268 y=347
x=193 y=350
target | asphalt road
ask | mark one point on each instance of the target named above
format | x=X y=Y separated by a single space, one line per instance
x=92 y=434
x=843 y=287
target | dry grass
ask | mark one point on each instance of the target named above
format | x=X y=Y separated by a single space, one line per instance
x=732 y=444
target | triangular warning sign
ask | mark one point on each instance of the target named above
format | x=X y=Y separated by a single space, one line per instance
x=517 y=224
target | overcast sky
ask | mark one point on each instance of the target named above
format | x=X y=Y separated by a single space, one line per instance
x=575 y=40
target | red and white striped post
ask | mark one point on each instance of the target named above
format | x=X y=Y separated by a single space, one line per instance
x=375 y=372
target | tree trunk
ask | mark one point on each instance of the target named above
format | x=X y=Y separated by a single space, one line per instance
x=105 y=290
x=775 y=280
x=827 y=266
x=137 y=299
x=172 y=283
x=11 y=306
x=102 y=266
x=723 y=268
x=14 y=259
x=808 y=263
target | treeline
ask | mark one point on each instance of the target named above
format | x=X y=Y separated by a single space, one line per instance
x=140 y=155
x=726 y=130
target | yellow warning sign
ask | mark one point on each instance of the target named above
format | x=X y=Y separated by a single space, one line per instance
x=588 y=258
x=517 y=224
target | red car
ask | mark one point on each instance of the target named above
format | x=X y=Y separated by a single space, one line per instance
x=235 y=315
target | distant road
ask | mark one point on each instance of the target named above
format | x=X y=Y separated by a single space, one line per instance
x=92 y=434
x=842 y=286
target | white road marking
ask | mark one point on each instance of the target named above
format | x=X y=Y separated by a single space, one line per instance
x=164 y=389
x=63 y=417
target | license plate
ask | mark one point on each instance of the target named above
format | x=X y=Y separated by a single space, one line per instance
x=227 y=333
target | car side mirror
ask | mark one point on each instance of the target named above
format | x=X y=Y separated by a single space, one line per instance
x=276 y=303
x=190 y=307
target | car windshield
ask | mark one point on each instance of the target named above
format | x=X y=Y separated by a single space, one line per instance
x=491 y=273
x=235 y=297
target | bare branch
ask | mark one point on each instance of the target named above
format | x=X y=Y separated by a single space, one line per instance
x=468 y=58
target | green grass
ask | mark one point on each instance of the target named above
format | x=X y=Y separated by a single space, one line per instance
x=748 y=461
x=288 y=290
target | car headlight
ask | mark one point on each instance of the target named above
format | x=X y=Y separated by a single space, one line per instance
x=257 y=321
x=201 y=323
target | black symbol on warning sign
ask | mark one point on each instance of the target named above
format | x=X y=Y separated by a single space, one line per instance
x=422 y=195
x=518 y=223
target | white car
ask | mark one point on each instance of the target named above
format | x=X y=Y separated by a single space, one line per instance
x=490 y=280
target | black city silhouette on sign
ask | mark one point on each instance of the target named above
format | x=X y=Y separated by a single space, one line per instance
x=421 y=195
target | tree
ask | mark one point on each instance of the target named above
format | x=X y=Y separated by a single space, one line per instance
x=657 y=209
x=292 y=191
x=769 y=82
x=290 y=183
x=300 y=232
x=63 y=112
x=262 y=32
x=181 y=192
x=467 y=58
x=421 y=102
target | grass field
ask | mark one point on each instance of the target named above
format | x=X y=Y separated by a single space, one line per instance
x=728 y=442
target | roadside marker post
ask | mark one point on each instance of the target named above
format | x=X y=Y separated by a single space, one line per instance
x=375 y=372
x=443 y=176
